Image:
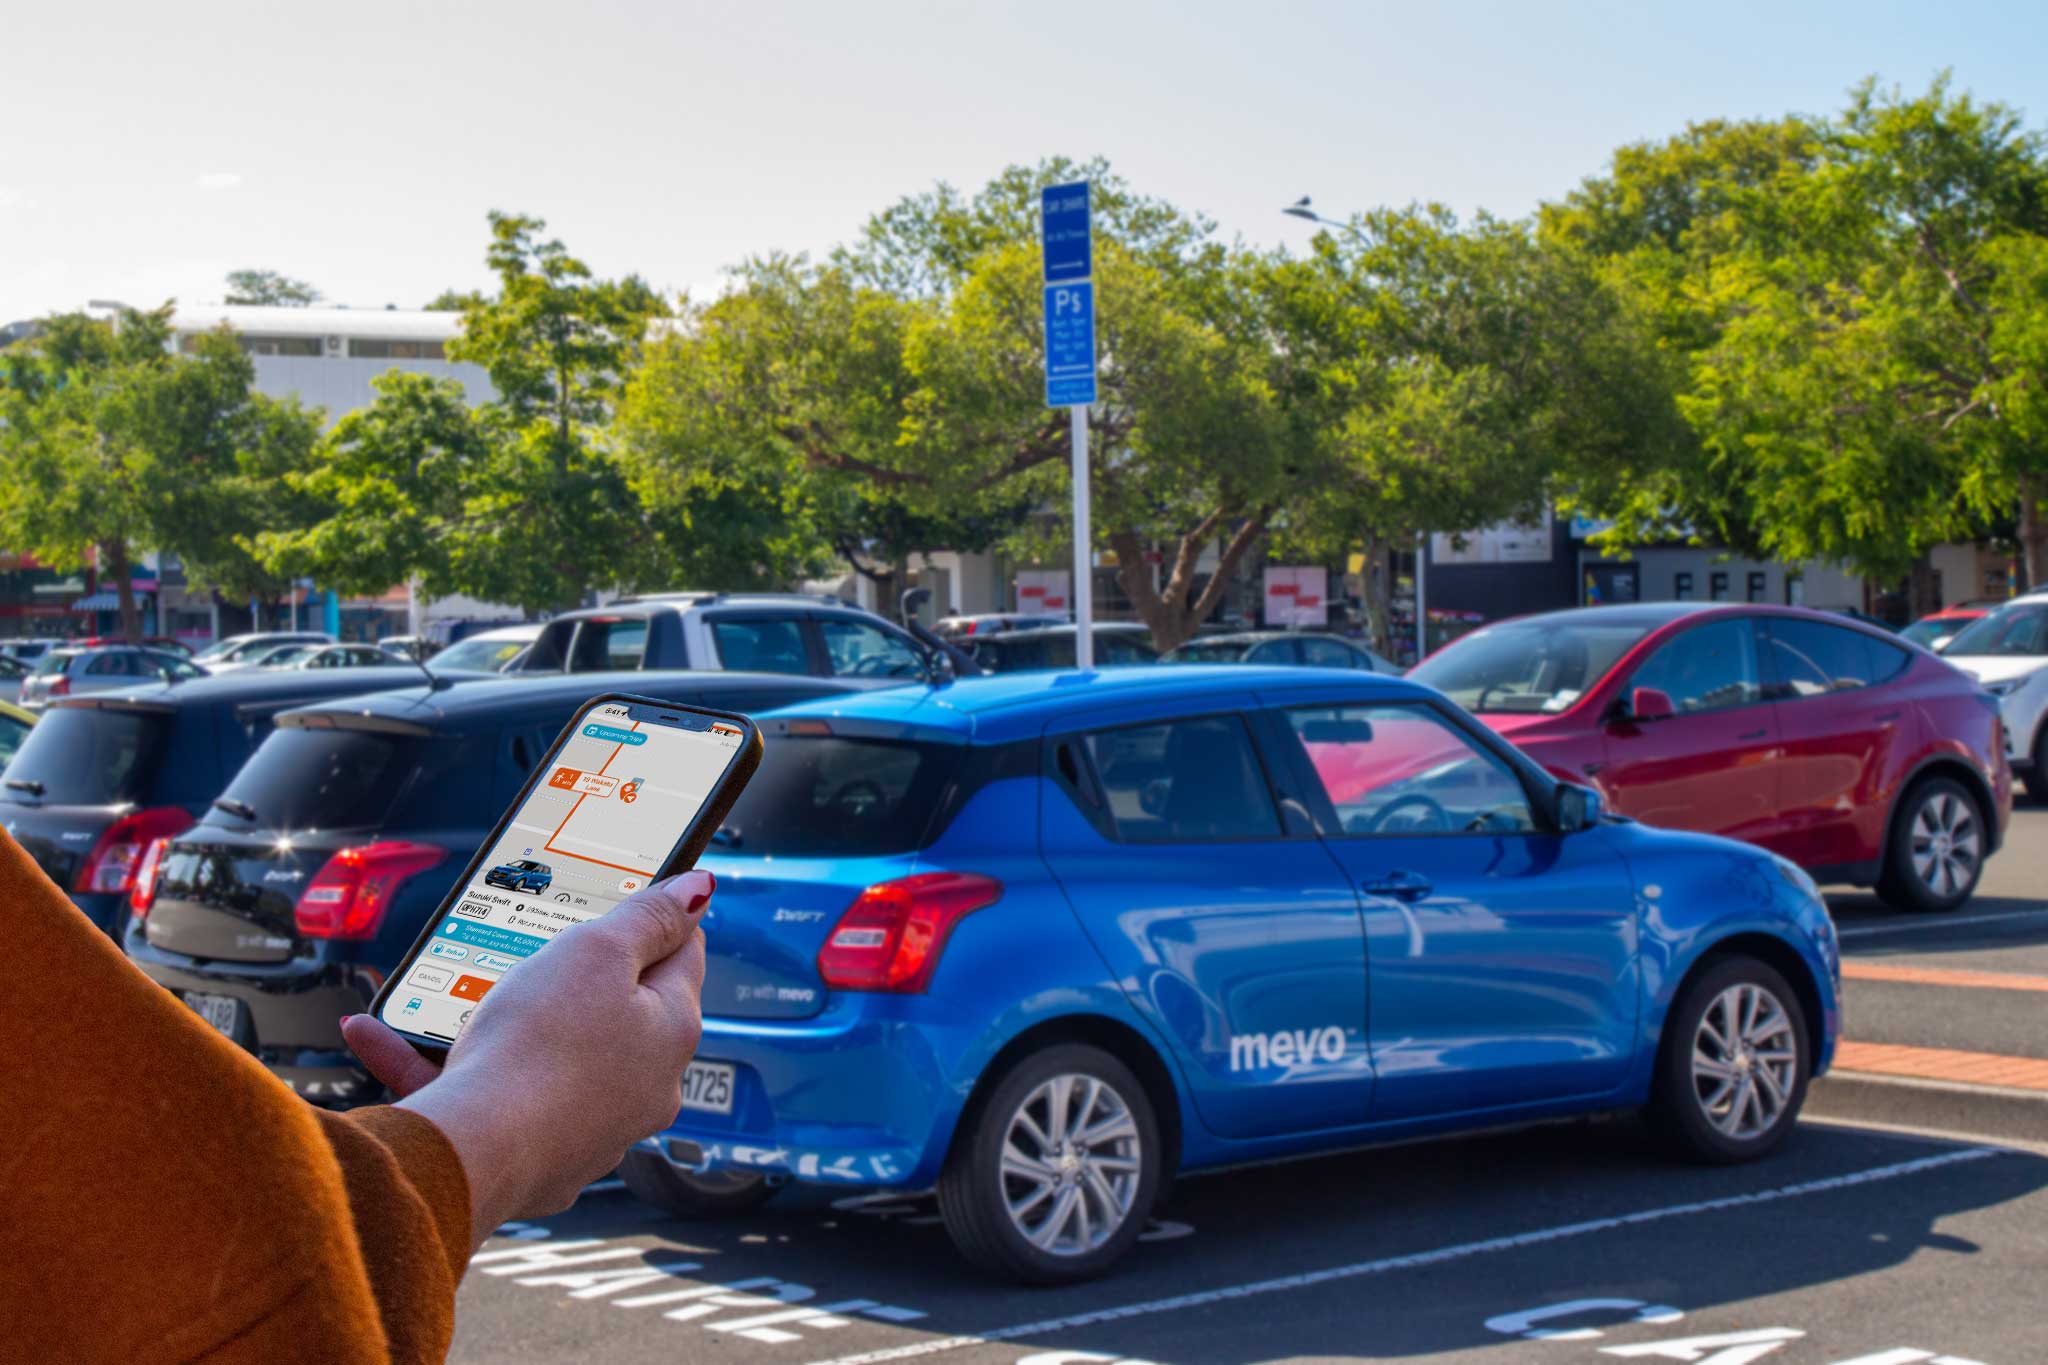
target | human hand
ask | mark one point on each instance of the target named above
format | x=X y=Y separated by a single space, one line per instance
x=574 y=1056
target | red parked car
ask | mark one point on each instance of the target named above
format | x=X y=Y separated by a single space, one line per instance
x=1862 y=759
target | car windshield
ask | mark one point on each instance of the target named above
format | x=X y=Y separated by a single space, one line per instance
x=2018 y=630
x=1540 y=666
x=1207 y=652
x=1929 y=629
x=217 y=650
x=284 y=655
x=482 y=654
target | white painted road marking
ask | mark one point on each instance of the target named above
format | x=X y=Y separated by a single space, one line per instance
x=1936 y=922
x=1414 y=1260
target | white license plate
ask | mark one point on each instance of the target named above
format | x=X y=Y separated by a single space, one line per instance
x=707 y=1086
x=221 y=1011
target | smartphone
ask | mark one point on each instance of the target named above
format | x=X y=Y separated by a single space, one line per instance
x=630 y=792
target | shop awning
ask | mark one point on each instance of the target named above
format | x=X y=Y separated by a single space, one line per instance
x=102 y=601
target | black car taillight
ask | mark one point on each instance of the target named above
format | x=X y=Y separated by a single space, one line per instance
x=348 y=897
x=110 y=867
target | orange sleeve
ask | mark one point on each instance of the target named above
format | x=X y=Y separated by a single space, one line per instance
x=166 y=1198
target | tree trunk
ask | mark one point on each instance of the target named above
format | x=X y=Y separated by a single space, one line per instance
x=1379 y=593
x=114 y=560
x=1167 y=610
x=1922 y=595
x=2033 y=532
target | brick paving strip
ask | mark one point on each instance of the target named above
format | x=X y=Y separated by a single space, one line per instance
x=1943 y=1064
x=1943 y=976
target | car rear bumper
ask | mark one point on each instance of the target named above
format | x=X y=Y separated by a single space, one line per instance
x=843 y=1099
x=293 y=1017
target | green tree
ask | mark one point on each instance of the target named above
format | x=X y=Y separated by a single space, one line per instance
x=269 y=287
x=455 y=300
x=113 y=445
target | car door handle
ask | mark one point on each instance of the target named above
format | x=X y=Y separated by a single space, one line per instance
x=1752 y=734
x=1407 y=886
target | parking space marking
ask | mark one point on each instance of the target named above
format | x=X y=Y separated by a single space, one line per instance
x=1937 y=922
x=1415 y=1260
x=1943 y=976
x=1942 y=1064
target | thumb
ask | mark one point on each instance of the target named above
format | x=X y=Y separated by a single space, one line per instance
x=652 y=924
x=387 y=1056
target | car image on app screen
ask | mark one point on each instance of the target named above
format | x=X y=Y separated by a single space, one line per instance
x=1044 y=940
x=523 y=875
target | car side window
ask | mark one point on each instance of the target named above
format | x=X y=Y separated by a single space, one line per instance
x=1389 y=770
x=1185 y=781
x=758 y=646
x=1710 y=667
x=1122 y=649
x=108 y=665
x=1328 y=654
x=1273 y=652
x=1809 y=658
x=859 y=650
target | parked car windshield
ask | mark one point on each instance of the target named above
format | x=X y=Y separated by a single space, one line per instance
x=1206 y=652
x=1528 y=666
x=825 y=797
x=2020 y=629
x=480 y=653
x=1928 y=629
x=87 y=756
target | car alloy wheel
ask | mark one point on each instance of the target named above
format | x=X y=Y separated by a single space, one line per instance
x=1745 y=1062
x=1946 y=842
x=1070 y=1165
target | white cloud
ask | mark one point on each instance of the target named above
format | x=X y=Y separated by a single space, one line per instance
x=218 y=180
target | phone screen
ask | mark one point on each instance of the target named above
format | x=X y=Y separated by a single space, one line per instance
x=613 y=806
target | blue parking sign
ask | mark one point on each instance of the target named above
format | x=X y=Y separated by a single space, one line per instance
x=1063 y=222
x=1069 y=344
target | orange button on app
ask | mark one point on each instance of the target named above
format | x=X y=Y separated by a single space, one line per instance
x=470 y=987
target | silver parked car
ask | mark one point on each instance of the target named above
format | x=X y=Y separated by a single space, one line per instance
x=68 y=672
x=244 y=651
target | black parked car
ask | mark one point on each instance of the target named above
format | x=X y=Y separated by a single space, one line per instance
x=1014 y=651
x=285 y=906
x=1312 y=649
x=103 y=774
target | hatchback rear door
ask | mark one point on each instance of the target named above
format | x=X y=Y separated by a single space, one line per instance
x=1235 y=934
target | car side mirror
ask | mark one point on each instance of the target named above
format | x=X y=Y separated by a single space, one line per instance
x=1577 y=807
x=1648 y=703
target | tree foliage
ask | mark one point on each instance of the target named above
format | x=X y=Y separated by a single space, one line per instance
x=269 y=287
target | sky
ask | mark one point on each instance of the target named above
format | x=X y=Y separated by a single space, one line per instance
x=149 y=148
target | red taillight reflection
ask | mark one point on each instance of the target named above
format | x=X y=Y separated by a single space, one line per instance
x=890 y=938
x=348 y=897
x=143 y=893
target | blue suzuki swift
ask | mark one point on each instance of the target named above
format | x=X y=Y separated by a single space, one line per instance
x=1044 y=940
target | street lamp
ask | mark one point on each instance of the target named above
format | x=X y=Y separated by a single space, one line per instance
x=1303 y=208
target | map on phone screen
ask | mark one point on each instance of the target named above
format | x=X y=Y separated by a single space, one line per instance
x=599 y=826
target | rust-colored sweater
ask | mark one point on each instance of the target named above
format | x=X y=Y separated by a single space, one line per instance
x=164 y=1198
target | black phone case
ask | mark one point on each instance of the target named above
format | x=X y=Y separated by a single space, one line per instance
x=695 y=840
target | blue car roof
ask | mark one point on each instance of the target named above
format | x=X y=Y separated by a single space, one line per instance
x=1005 y=706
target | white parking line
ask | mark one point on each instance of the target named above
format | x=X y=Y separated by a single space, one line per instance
x=1936 y=922
x=1421 y=1258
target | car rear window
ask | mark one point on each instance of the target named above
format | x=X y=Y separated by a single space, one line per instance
x=88 y=756
x=54 y=662
x=837 y=796
x=305 y=778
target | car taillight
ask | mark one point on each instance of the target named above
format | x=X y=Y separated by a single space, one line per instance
x=110 y=866
x=60 y=686
x=143 y=894
x=348 y=897
x=890 y=938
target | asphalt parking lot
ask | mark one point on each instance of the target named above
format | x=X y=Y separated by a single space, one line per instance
x=1906 y=1221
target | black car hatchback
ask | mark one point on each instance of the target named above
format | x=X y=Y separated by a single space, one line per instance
x=284 y=908
x=102 y=775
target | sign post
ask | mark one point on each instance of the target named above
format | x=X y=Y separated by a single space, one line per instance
x=1070 y=371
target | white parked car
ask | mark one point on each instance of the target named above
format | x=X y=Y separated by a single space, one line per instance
x=488 y=651
x=2007 y=651
x=330 y=656
x=237 y=652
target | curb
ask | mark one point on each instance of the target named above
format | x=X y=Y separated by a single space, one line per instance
x=1978 y=1110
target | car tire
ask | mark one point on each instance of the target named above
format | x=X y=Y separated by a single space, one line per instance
x=2037 y=776
x=1935 y=853
x=1729 y=1091
x=1040 y=1220
x=698 y=1198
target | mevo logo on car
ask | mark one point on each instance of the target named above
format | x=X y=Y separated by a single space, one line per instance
x=1289 y=1047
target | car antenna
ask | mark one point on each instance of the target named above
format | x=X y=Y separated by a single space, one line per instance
x=435 y=682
